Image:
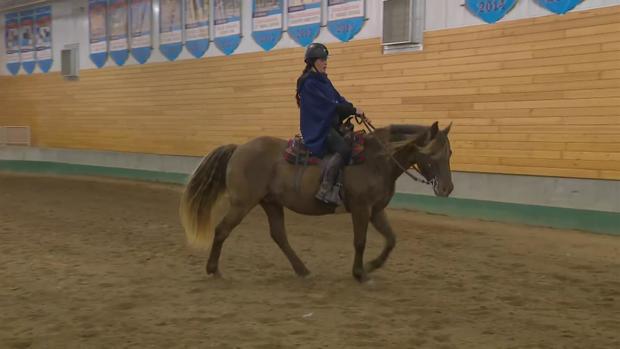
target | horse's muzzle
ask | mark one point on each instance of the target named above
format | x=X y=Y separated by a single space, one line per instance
x=442 y=189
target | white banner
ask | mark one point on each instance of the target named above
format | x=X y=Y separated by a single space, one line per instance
x=299 y=12
x=170 y=13
x=196 y=19
x=140 y=23
x=118 y=25
x=346 y=9
x=227 y=18
x=267 y=15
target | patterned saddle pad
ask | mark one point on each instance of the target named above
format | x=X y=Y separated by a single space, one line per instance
x=296 y=152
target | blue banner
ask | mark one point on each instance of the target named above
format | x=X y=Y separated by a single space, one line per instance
x=11 y=42
x=490 y=11
x=43 y=34
x=119 y=27
x=267 y=23
x=197 y=27
x=26 y=40
x=304 y=20
x=227 y=25
x=170 y=29
x=98 y=30
x=345 y=18
x=140 y=14
x=559 y=6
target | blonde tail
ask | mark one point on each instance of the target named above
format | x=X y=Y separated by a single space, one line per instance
x=205 y=188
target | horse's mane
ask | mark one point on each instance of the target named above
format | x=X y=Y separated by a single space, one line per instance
x=391 y=139
x=397 y=133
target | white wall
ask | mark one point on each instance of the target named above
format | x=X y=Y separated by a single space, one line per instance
x=441 y=14
x=70 y=26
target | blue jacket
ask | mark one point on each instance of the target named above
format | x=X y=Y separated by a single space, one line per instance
x=318 y=102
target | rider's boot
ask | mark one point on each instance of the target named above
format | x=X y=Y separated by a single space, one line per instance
x=329 y=191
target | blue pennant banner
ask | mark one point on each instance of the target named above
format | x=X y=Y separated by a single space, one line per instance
x=227 y=25
x=43 y=34
x=490 y=11
x=304 y=20
x=267 y=23
x=559 y=6
x=11 y=42
x=170 y=30
x=197 y=27
x=119 y=36
x=140 y=14
x=345 y=18
x=26 y=40
x=98 y=39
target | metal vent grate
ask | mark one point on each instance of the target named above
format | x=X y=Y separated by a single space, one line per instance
x=14 y=135
x=69 y=61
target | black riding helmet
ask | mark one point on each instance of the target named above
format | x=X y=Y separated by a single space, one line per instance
x=315 y=51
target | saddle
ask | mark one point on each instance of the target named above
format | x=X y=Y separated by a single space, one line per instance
x=296 y=152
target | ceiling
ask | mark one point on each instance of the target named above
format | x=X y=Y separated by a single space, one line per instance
x=8 y=5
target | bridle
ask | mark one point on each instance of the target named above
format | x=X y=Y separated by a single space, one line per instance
x=362 y=120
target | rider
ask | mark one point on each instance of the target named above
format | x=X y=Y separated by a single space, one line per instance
x=322 y=111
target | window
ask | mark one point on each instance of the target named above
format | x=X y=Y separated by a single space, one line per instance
x=403 y=25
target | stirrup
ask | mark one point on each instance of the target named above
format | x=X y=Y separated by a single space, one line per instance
x=322 y=192
x=330 y=196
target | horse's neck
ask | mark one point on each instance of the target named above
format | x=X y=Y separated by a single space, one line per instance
x=402 y=132
x=381 y=145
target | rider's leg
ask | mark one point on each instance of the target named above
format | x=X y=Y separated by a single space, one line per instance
x=329 y=192
x=337 y=144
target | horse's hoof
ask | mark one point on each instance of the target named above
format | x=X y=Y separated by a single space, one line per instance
x=372 y=266
x=369 y=283
x=214 y=274
x=361 y=277
x=364 y=280
x=304 y=274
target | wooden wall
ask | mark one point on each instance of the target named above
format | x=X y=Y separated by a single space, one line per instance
x=538 y=96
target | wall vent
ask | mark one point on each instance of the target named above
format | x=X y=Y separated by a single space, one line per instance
x=69 y=62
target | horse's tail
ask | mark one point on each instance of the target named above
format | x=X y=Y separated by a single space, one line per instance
x=205 y=187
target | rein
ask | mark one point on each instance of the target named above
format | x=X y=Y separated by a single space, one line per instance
x=363 y=120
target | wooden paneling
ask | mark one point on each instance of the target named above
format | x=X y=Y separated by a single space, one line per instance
x=538 y=96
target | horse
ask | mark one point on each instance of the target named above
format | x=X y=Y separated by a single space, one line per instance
x=255 y=173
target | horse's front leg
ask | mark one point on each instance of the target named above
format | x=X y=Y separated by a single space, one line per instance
x=379 y=220
x=360 y=216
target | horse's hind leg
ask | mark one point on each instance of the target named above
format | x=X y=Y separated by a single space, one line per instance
x=360 y=227
x=380 y=222
x=275 y=214
x=233 y=217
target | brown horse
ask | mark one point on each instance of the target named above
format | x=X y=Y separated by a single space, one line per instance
x=255 y=173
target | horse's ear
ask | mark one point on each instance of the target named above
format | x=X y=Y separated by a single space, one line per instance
x=434 y=129
x=447 y=129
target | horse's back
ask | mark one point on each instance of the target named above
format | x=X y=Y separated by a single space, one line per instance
x=259 y=153
x=252 y=166
x=258 y=172
x=266 y=144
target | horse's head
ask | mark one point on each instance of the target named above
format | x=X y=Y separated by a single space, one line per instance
x=432 y=156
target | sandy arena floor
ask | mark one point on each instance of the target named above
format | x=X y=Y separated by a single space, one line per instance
x=86 y=264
